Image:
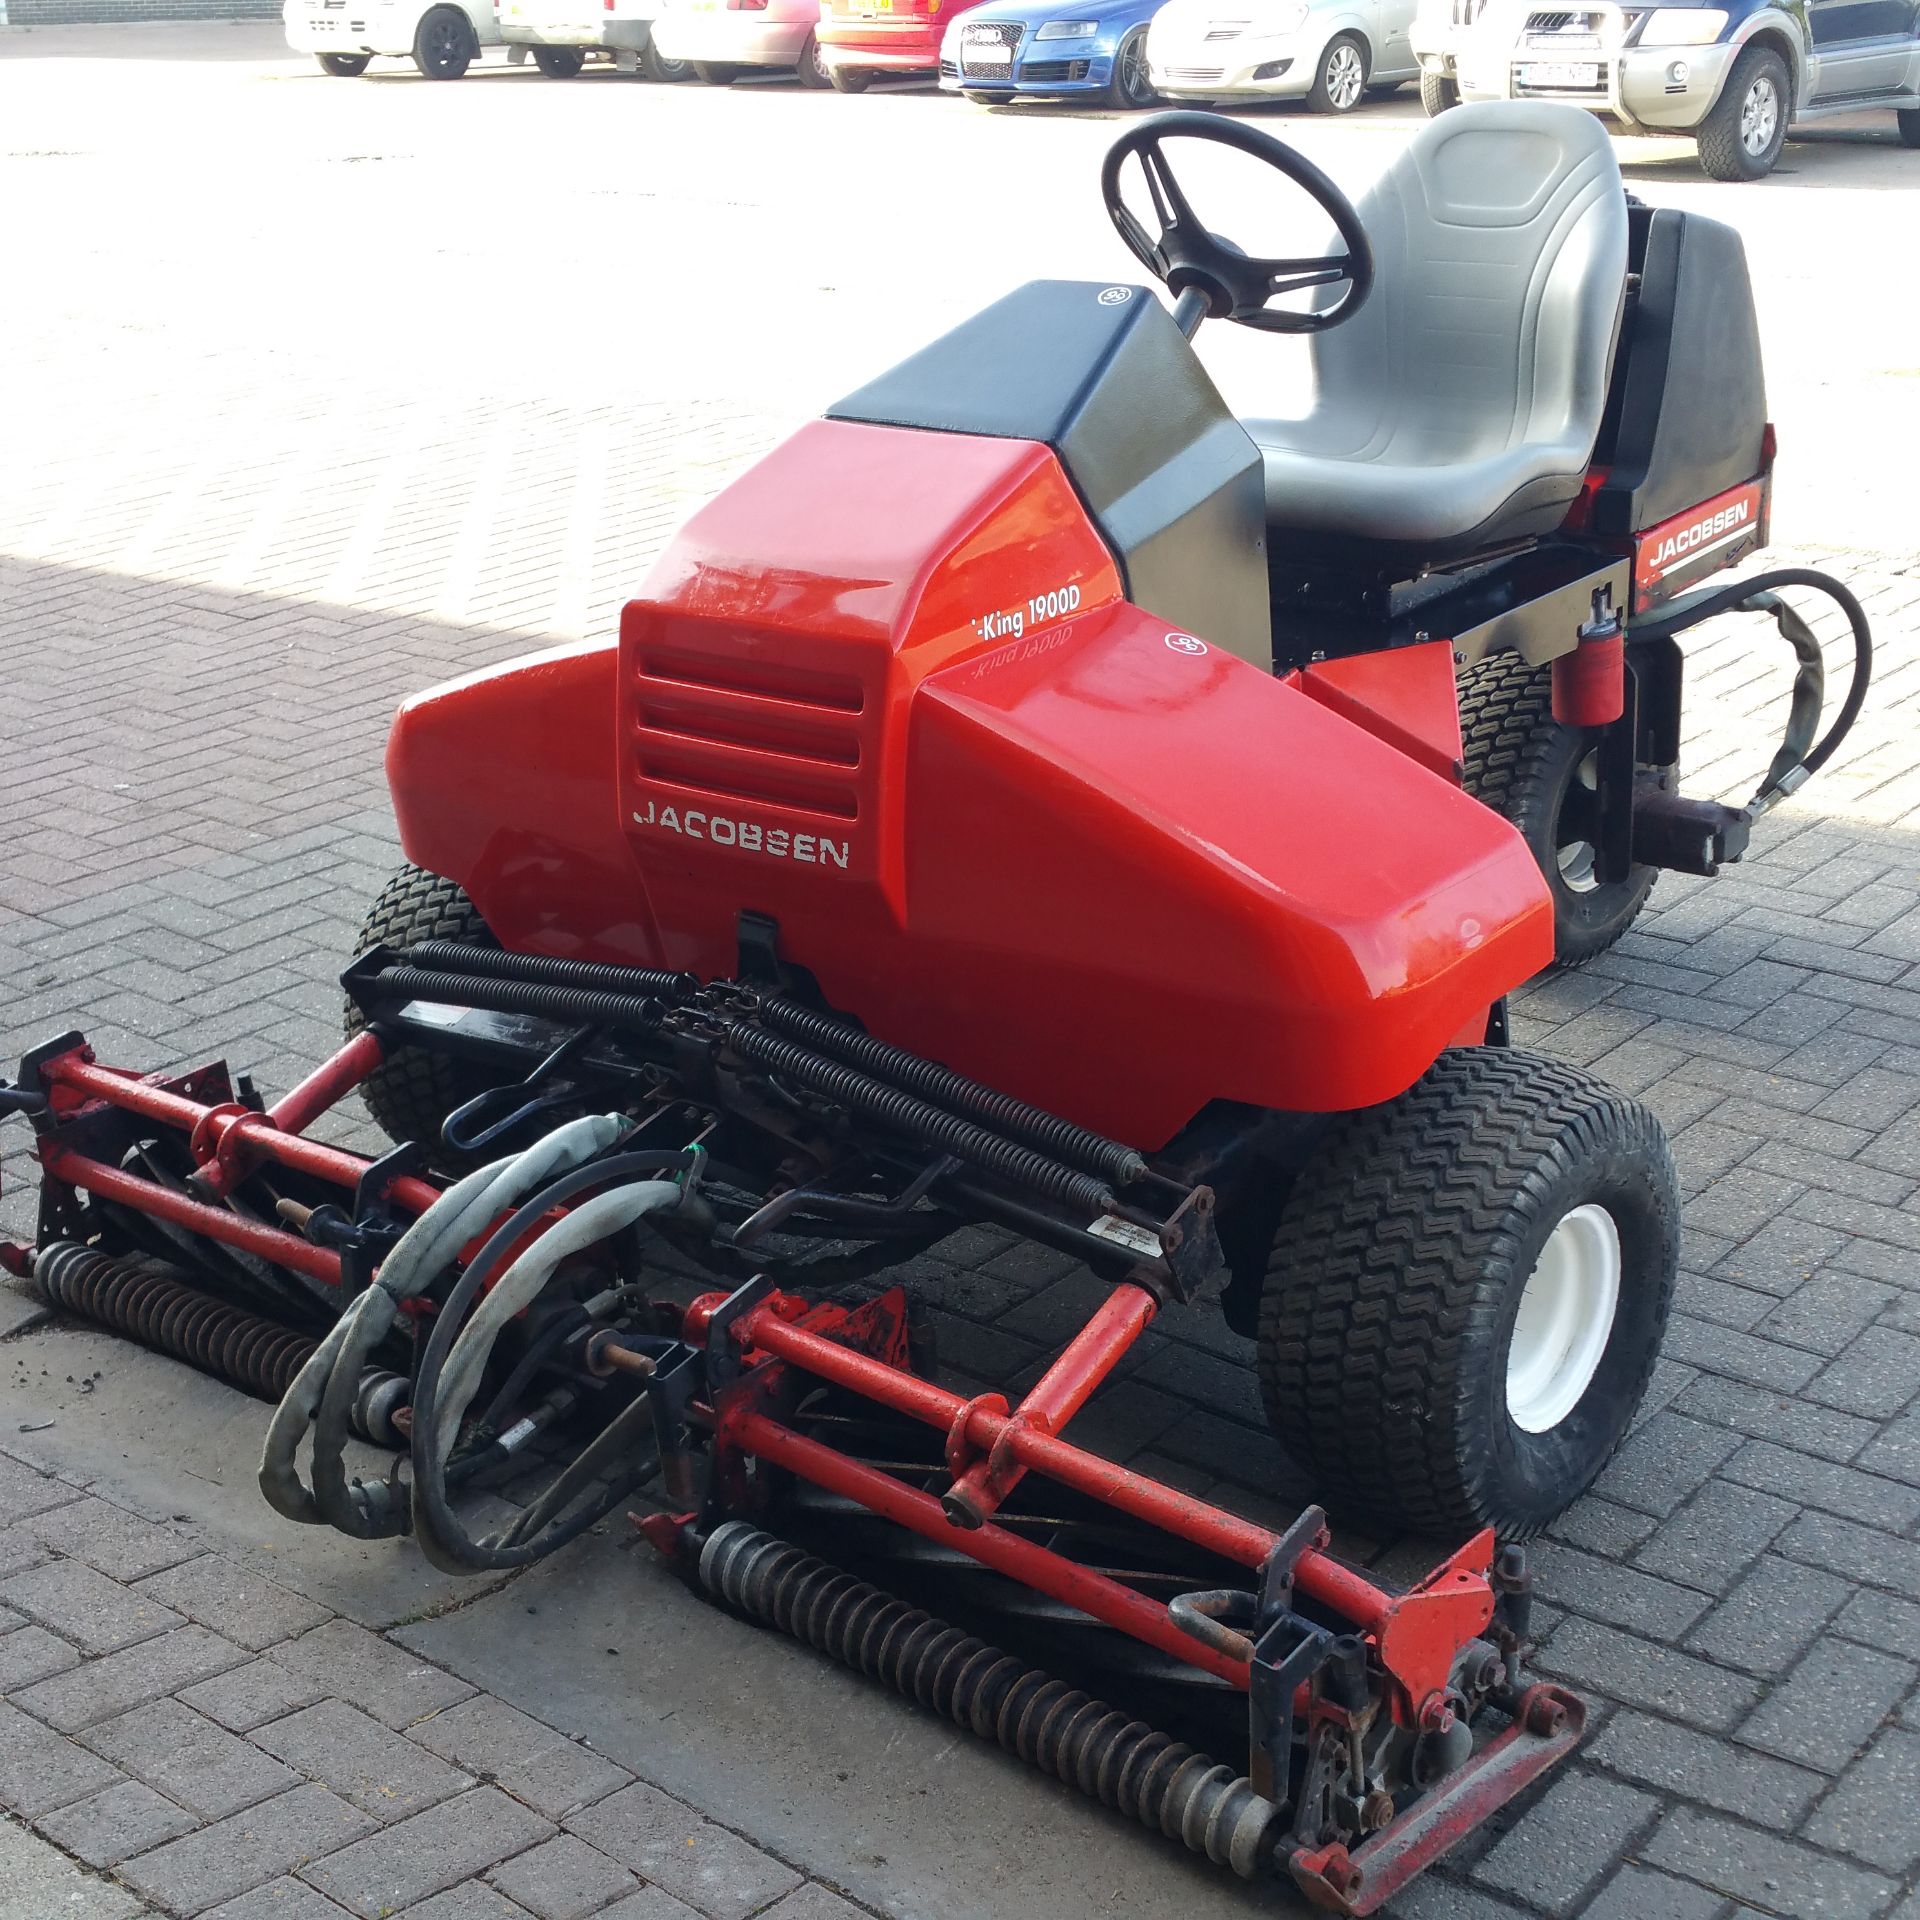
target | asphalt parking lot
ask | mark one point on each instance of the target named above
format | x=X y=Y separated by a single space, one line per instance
x=316 y=391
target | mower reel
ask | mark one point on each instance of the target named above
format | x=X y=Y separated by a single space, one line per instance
x=505 y=1332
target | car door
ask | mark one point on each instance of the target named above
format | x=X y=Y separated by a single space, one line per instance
x=1392 y=22
x=1862 y=46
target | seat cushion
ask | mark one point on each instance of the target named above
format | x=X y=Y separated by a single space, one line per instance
x=1462 y=402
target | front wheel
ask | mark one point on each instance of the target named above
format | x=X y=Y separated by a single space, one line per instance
x=1466 y=1294
x=850 y=79
x=559 y=63
x=1130 y=88
x=1523 y=763
x=1438 y=92
x=444 y=47
x=655 y=66
x=710 y=74
x=343 y=66
x=1741 y=137
x=1341 y=83
x=411 y=1092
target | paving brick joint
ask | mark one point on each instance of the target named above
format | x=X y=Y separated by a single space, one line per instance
x=181 y=1735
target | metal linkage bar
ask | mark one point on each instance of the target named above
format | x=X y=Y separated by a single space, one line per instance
x=234 y=1138
x=1316 y=1576
x=981 y=1482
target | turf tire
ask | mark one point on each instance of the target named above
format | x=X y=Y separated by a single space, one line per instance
x=411 y=1092
x=1523 y=763
x=559 y=63
x=343 y=66
x=1438 y=92
x=850 y=79
x=655 y=66
x=1395 y=1278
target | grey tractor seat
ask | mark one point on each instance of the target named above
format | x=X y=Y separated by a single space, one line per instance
x=1459 y=407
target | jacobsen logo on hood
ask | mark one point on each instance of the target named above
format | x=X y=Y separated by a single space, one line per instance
x=750 y=836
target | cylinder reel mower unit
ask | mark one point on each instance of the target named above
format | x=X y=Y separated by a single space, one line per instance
x=1029 y=641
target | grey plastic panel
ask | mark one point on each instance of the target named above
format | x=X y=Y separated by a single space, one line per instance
x=1103 y=377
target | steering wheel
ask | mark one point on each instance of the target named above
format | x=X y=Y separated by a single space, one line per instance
x=1190 y=258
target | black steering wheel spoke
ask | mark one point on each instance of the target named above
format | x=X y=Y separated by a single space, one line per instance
x=1190 y=257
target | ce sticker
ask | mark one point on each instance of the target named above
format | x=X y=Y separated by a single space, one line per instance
x=1185 y=643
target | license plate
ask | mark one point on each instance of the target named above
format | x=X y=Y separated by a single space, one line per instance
x=1561 y=73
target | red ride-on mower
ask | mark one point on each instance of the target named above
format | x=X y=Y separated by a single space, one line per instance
x=1032 y=796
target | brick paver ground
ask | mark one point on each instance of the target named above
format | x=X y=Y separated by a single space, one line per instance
x=200 y=648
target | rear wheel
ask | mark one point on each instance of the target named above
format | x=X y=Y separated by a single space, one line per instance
x=1341 y=83
x=1909 y=122
x=1466 y=1294
x=813 y=67
x=559 y=63
x=444 y=46
x=1130 y=88
x=1438 y=92
x=343 y=66
x=1525 y=764
x=1741 y=138
x=411 y=1093
x=850 y=79
x=710 y=74
x=657 y=67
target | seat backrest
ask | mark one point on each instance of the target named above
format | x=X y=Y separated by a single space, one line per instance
x=1500 y=244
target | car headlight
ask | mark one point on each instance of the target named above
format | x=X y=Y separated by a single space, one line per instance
x=1067 y=30
x=1682 y=27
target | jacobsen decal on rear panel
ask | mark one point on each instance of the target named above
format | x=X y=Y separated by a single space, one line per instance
x=776 y=843
x=1699 y=531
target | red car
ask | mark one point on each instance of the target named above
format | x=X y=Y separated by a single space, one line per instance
x=859 y=38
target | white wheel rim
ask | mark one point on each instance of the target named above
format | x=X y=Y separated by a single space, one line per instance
x=1566 y=1316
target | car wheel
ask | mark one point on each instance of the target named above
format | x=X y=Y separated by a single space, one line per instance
x=850 y=79
x=711 y=75
x=444 y=47
x=1909 y=119
x=1438 y=92
x=559 y=63
x=343 y=66
x=1341 y=83
x=1130 y=88
x=654 y=65
x=813 y=66
x=1741 y=138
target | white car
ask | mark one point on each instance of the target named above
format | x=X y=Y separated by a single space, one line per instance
x=722 y=39
x=442 y=38
x=562 y=35
x=1440 y=29
x=1331 y=53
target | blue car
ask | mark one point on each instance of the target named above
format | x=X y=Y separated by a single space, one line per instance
x=1048 y=49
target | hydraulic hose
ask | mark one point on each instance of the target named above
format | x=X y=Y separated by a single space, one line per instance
x=453 y=1365
x=321 y=1396
x=1800 y=757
